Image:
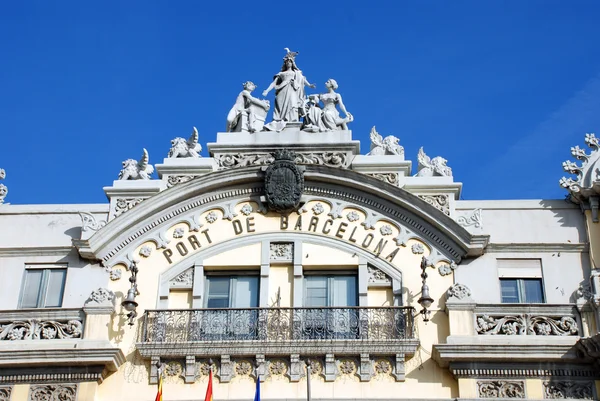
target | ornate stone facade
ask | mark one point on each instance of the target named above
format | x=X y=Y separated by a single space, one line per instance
x=501 y=389
x=53 y=392
x=440 y=202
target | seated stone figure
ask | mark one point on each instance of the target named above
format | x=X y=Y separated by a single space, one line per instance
x=327 y=118
x=248 y=113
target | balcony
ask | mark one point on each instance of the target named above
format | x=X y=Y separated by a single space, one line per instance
x=278 y=331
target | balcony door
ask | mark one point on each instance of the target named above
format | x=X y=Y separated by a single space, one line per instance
x=328 y=299
x=229 y=297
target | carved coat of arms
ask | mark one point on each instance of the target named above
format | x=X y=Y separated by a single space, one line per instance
x=284 y=182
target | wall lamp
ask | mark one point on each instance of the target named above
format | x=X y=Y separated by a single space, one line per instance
x=425 y=301
x=129 y=303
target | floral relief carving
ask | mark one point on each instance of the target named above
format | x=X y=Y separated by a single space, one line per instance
x=243 y=368
x=282 y=251
x=179 y=179
x=474 y=219
x=53 y=392
x=3 y=188
x=173 y=372
x=40 y=330
x=347 y=367
x=390 y=178
x=234 y=160
x=178 y=232
x=101 y=296
x=440 y=202
x=115 y=274
x=124 y=204
x=446 y=269
x=277 y=367
x=203 y=368
x=352 y=216
x=501 y=389
x=417 y=248
x=90 y=223
x=580 y=390
x=458 y=291
x=526 y=324
x=145 y=251
x=318 y=208
x=185 y=279
x=5 y=392
x=316 y=366
x=246 y=209
x=382 y=367
x=386 y=230
x=377 y=276
x=211 y=217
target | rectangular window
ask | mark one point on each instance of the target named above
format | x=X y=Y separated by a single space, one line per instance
x=334 y=290
x=43 y=287
x=232 y=291
x=522 y=290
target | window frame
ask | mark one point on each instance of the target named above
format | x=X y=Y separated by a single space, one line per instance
x=232 y=276
x=521 y=289
x=42 y=291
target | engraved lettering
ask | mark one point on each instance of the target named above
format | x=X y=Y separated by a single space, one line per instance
x=193 y=240
x=205 y=232
x=313 y=224
x=283 y=222
x=379 y=247
x=341 y=230
x=182 y=248
x=367 y=241
x=237 y=227
x=250 y=224
x=326 y=229
x=168 y=253
x=392 y=255
x=298 y=225
x=352 y=239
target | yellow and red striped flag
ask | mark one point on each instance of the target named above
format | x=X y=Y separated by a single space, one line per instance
x=209 y=395
x=159 y=392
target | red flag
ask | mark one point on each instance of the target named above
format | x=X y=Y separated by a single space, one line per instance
x=159 y=393
x=208 y=396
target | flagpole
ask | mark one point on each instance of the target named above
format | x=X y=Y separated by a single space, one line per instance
x=308 y=375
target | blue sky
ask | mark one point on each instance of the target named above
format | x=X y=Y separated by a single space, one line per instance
x=502 y=89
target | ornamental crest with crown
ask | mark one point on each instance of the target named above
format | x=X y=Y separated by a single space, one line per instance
x=284 y=182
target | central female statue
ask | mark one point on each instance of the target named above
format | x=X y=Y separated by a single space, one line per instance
x=289 y=90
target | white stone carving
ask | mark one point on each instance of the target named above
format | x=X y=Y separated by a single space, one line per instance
x=474 y=219
x=52 y=392
x=432 y=167
x=377 y=276
x=89 y=222
x=446 y=269
x=511 y=325
x=179 y=179
x=101 y=296
x=319 y=118
x=386 y=230
x=417 y=248
x=352 y=216
x=184 y=279
x=384 y=146
x=137 y=170
x=178 y=232
x=243 y=368
x=181 y=147
x=235 y=160
x=246 y=209
x=3 y=188
x=115 y=274
x=318 y=208
x=390 y=178
x=36 y=329
x=501 y=389
x=248 y=113
x=277 y=367
x=282 y=251
x=458 y=291
x=124 y=204
x=347 y=367
x=5 y=392
x=211 y=217
x=568 y=389
x=440 y=202
x=145 y=251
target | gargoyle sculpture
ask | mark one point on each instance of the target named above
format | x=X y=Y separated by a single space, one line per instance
x=186 y=148
x=387 y=146
x=432 y=167
x=136 y=170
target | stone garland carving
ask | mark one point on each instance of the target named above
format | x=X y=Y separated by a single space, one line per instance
x=181 y=147
x=40 y=330
x=568 y=389
x=474 y=219
x=390 y=178
x=377 y=276
x=137 y=170
x=5 y=392
x=89 y=222
x=185 y=279
x=458 y=291
x=282 y=251
x=526 y=325
x=432 y=167
x=440 y=202
x=179 y=179
x=333 y=159
x=501 y=389
x=3 y=188
x=52 y=392
x=124 y=204
x=384 y=146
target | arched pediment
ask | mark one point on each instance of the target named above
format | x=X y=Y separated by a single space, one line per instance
x=376 y=204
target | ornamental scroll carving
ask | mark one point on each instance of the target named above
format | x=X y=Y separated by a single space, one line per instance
x=183 y=280
x=526 y=325
x=563 y=389
x=376 y=276
x=5 y=392
x=440 y=202
x=458 y=291
x=124 y=204
x=40 y=330
x=332 y=159
x=282 y=251
x=473 y=219
x=501 y=389
x=179 y=179
x=390 y=178
x=53 y=392
x=90 y=223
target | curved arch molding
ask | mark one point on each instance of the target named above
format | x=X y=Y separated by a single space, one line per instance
x=385 y=213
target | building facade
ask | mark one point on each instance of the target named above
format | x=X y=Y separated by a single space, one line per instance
x=288 y=255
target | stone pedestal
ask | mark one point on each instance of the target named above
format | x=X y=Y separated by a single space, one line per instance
x=124 y=195
x=440 y=192
x=175 y=171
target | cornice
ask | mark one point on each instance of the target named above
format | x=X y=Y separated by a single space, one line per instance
x=538 y=247
x=36 y=251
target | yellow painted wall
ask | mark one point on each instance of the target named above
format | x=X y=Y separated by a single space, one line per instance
x=180 y=299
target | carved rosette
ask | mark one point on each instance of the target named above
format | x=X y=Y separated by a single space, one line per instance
x=440 y=202
x=284 y=183
x=53 y=392
x=278 y=367
x=347 y=367
x=122 y=205
x=501 y=389
x=382 y=367
x=40 y=330
x=174 y=372
x=563 y=389
x=243 y=368
x=458 y=291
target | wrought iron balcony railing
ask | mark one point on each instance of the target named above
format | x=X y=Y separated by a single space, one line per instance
x=278 y=324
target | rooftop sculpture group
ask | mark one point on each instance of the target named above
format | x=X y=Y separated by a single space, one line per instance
x=293 y=108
